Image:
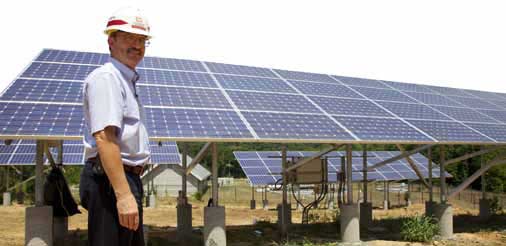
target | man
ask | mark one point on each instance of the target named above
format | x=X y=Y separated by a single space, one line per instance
x=115 y=139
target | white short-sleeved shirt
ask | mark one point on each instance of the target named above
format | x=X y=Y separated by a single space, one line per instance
x=110 y=99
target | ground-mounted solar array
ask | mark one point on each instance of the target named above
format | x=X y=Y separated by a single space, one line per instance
x=22 y=152
x=264 y=167
x=202 y=101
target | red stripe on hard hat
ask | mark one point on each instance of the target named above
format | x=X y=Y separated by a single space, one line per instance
x=116 y=22
x=139 y=27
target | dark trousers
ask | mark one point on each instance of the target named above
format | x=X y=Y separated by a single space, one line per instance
x=97 y=196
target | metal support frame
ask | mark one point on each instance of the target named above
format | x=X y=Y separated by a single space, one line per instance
x=39 y=169
x=498 y=160
x=396 y=158
x=482 y=151
x=483 y=183
x=442 y=178
x=284 y=227
x=184 y=175
x=431 y=192
x=364 y=171
x=349 y=167
x=214 y=168
x=413 y=166
x=313 y=157
x=198 y=157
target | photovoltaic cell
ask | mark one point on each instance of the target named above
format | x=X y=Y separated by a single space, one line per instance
x=194 y=123
x=44 y=90
x=361 y=82
x=240 y=70
x=465 y=114
x=253 y=83
x=475 y=103
x=497 y=115
x=342 y=106
x=183 y=97
x=160 y=77
x=408 y=87
x=434 y=99
x=383 y=94
x=305 y=76
x=294 y=126
x=271 y=102
x=448 y=131
x=495 y=131
x=171 y=64
x=377 y=128
x=416 y=111
x=57 y=71
x=324 y=89
x=485 y=95
x=64 y=56
x=449 y=91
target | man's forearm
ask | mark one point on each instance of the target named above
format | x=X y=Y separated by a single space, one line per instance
x=110 y=157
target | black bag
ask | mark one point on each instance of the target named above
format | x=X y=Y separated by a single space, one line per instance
x=57 y=194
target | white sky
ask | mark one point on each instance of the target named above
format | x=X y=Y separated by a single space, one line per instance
x=450 y=43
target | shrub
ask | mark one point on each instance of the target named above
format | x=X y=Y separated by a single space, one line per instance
x=197 y=196
x=419 y=228
x=495 y=205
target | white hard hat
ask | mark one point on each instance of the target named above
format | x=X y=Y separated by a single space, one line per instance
x=128 y=19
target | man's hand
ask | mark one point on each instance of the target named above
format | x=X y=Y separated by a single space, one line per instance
x=127 y=212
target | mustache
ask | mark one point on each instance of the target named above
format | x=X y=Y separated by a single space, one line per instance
x=131 y=49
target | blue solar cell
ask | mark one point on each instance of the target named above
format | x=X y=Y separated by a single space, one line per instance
x=305 y=76
x=408 y=87
x=4 y=158
x=255 y=171
x=416 y=111
x=270 y=155
x=381 y=129
x=449 y=131
x=26 y=149
x=164 y=149
x=497 y=115
x=324 y=89
x=275 y=169
x=361 y=82
x=409 y=175
x=64 y=56
x=261 y=180
x=162 y=77
x=494 y=131
x=392 y=176
x=294 y=126
x=22 y=159
x=485 y=95
x=165 y=159
x=246 y=155
x=40 y=70
x=271 y=102
x=172 y=64
x=475 y=103
x=40 y=119
x=193 y=123
x=254 y=83
x=240 y=70
x=356 y=107
x=434 y=99
x=383 y=94
x=449 y=91
x=44 y=90
x=465 y=114
x=182 y=97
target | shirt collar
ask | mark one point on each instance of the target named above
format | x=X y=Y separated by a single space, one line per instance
x=129 y=74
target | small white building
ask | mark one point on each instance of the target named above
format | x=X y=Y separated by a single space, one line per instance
x=167 y=180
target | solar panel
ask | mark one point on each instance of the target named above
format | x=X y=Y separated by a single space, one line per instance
x=189 y=100
x=264 y=167
x=22 y=152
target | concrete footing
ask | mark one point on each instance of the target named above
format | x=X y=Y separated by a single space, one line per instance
x=60 y=230
x=429 y=208
x=386 y=205
x=265 y=204
x=350 y=227
x=184 y=221
x=485 y=211
x=38 y=231
x=365 y=214
x=252 y=204
x=7 y=199
x=444 y=214
x=214 y=226
x=288 y=215
x=152 y=201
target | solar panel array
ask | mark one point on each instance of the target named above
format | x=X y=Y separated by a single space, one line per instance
x=264 y=167
x=199 y=101
x=22 y=152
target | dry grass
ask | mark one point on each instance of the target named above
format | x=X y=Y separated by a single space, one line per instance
x=240 y=228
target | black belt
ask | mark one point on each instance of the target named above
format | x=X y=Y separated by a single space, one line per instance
x=137 y=170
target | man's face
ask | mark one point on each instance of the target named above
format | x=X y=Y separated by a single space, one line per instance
x=127 y=48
